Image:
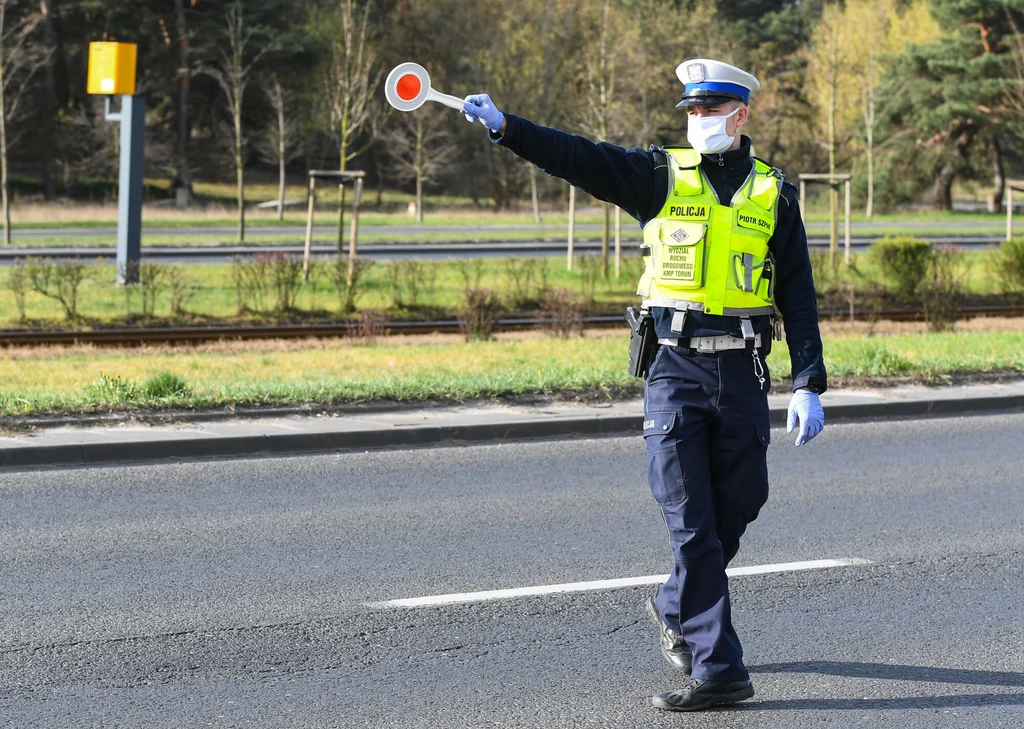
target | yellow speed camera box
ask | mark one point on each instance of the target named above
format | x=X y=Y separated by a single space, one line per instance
x=111 y=68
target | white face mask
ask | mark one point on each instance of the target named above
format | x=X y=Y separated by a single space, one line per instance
x=706 y=134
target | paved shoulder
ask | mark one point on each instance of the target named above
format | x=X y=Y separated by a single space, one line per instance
x=419 y=426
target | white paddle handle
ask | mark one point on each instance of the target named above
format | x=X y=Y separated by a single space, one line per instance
x=453 y=101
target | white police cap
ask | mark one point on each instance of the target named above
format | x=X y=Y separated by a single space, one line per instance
x=707 y=82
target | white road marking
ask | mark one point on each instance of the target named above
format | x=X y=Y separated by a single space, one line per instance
x=764 y=569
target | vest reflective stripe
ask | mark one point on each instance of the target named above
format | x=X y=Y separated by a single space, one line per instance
x=700 y=254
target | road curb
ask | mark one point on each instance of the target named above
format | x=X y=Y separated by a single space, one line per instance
x=284 y=443
x=540 y=428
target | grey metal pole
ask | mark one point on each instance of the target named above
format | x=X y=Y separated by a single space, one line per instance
x=129 y=191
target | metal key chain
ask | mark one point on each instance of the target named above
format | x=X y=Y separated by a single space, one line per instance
x=758 y=368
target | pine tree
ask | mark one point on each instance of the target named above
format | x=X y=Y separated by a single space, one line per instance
x=954 y=99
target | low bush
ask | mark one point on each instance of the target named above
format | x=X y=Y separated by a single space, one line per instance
x=348 y=282
x=409 y=280
x=251 y=279
x=904 y=262
x=561 y=311
x=520 y=274
x=371 y=326
x=182 y=289
x=942 y=291
x=1007 y=265
x=58 y=280
x=482 y=309
x=286 y=279
x=18 y=284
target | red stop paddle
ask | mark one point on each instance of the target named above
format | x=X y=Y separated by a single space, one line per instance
x=408 y=86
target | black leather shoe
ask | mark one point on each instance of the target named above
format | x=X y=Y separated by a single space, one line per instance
x=673 y=647
x=698 y=694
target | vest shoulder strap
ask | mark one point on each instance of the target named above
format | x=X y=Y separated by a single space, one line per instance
x=684 y=157
x=766 y=169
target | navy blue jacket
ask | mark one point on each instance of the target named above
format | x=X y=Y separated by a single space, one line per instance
x=637 y=181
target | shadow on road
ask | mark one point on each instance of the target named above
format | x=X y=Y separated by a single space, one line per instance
x=896 y=672
x=909 y=702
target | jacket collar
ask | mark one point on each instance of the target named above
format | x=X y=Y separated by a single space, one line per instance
x=733 y=159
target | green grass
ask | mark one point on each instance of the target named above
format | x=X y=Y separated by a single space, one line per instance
x=59 y=381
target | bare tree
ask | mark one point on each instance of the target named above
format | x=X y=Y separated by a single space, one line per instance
x=420 y=149
x=182 y=79
x=278 y=143
x=349 y=83
x=20 y=59
x=604 y=111
x=232 y=73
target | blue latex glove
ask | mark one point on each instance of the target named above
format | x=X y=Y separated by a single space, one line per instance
x=805 y=407
x=479 y=107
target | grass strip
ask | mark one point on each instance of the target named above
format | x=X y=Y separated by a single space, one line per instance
x=335 y=372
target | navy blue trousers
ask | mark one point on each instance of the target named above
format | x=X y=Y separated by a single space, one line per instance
x=707 y=432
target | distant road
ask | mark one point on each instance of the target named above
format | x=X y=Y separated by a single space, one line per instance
x=401 y=249
x=403 y=233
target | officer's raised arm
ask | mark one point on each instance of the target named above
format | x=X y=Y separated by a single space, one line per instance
x=608 y=172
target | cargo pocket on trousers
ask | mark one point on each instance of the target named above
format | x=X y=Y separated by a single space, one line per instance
x=757 y=479
x=764 y=432
x=664 y=471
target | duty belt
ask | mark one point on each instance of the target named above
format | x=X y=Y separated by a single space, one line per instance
x=710 y=345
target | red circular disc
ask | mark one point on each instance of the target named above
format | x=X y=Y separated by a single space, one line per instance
x=408 y=87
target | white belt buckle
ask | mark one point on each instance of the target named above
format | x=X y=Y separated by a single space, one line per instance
x=706 y=345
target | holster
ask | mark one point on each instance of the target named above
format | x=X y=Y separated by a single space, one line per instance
x=642 y=341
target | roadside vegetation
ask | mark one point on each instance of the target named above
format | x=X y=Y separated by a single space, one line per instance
x=328 y=373
x=899 y=272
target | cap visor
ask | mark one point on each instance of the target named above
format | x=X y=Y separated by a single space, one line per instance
x=707 y=101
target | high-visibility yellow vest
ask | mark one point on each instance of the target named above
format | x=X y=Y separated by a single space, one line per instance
x=702 y=255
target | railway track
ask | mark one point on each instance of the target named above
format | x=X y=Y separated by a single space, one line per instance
x=129 y=337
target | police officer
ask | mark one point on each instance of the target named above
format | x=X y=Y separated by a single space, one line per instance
x=724 y=250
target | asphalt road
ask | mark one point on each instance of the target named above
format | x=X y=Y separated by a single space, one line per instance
x=240 y=593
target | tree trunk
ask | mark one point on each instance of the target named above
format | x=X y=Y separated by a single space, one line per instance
x=183 y=81
x=419 y=169
x=3 y=137
x=534 y=195
x=943 y=188
x=281 y=151
x=870 y=150
x=870 y=208
x=239 y=168
x=342 y=152
x=49 y=112
x=604 y=239
x=995 y=199
x=962 y=138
